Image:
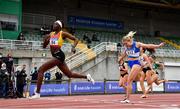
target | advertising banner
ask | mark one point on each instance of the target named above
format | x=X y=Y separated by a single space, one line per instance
x=51 y=89
x=93 y=22
x=157 y=88
x=172 y=87
x=113 y=87
x=87 y=87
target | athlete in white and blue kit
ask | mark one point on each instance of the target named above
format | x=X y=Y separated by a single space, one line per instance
x=132 y=51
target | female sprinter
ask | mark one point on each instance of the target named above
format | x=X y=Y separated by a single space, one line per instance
x=133 y=52
x=56 y=39
x=146 y=71
x=154 y=74
x=123 y=67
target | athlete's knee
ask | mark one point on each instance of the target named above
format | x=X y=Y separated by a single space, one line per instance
x=141 y=82
x=149 y=79
x=69 y=74
x=129 y=80
x=41 y=70
x=120 y=84
x=141 y=79
x=157 y=82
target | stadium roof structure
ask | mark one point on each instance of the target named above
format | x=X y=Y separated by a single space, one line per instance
x=170 y=4
x=175 y=4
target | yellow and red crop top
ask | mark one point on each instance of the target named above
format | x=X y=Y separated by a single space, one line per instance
x=56 y=40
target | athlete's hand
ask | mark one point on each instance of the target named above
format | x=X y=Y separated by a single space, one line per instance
x=73 y=50
x=122 y=69
x=161 y=44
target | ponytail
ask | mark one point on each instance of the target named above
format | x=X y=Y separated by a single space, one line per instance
x=129 y=36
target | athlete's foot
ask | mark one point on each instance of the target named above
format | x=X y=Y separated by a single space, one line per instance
x=144 y=96
x=35 y=96
x=89 y=78
x=125 y=101
x=124 y=98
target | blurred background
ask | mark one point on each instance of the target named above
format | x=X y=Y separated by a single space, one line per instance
x=98 y=24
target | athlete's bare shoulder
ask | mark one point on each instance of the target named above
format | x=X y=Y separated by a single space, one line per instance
x=138 y=44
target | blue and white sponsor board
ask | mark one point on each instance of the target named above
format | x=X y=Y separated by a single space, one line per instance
x=113 y=87
x=157 y=88
x=51 y=89
x=172 y=87
x=87 y=87
x=93 y=22
x=139 y=89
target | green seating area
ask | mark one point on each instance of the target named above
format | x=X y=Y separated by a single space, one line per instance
x=116 y=37
x=174 y=39
x=152 y=40
x=35 y=36
x=103 y=36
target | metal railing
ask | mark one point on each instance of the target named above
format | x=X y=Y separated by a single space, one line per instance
x=28 y=45
x=20 y=44
x=82 y=56
x=85 y=55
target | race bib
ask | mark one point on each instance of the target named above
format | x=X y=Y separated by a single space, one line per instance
x=54 y=41
x=129 y=52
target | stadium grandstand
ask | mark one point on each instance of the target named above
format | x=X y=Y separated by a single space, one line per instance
x=99 y=26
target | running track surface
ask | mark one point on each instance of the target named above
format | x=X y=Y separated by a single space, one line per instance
x=155 y=101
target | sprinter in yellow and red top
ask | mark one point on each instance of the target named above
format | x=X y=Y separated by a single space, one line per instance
x=56 y=40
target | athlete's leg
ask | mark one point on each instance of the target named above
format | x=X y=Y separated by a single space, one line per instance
x=148 y=77
x=134 y=71
x=154 y=77
x=121 y=81
x=157 y=82
x=142 y=78
x=125 y=83
x=46 y=66
x=64 y=68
